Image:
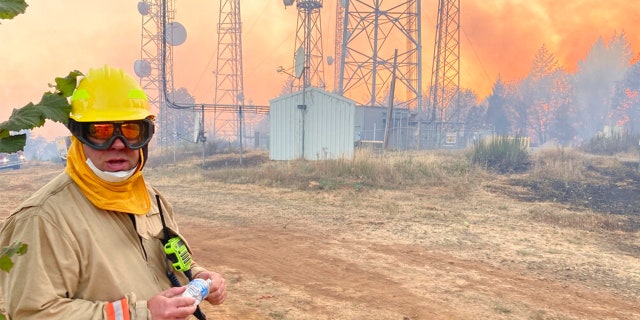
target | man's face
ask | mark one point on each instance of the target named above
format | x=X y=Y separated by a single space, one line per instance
x=116 y=158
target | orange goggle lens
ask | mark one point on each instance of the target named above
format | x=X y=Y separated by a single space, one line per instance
x=104 y=131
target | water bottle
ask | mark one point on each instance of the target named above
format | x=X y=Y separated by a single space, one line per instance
x=197 y=289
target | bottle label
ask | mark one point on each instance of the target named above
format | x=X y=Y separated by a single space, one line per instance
x=197 y=289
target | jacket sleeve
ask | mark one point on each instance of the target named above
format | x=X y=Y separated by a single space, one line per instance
x=43 y=282
x=126 y=309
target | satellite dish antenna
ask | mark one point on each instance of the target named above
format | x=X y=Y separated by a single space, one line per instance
x=143 y=8
x=288 y=3
x=176 y=33
x=329 y=60
x=299 y=62
x=142 y=68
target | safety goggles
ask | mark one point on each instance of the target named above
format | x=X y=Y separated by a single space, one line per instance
x=134 y=134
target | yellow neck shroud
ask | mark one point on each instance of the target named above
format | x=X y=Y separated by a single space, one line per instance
x=129 y=196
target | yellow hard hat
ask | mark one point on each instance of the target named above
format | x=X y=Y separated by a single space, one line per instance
x=109 y=94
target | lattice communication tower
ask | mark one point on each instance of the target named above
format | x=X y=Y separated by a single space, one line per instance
x=149 y=67
x=370 y=33
x=308 y=55
x=445 y=76
x=229 y=79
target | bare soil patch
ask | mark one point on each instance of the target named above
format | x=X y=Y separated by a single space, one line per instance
x=506 y=250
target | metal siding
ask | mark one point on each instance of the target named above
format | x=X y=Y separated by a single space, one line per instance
x=328 y=130
x=370 y=122
x=329 y=127
x=285 y=129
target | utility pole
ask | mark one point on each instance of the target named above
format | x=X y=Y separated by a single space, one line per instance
x=387 y=131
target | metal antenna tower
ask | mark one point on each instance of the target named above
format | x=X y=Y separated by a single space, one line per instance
x=229 y=81
x=370 y=35
x=445 y=76
x=308 y=55
x=149 y=67
x=338 y=42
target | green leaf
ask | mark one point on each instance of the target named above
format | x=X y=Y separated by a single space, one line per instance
x=13 y=143
x=26 y=117
x=5 y=263
x=55 y=107
x=67 y=84
x=12 y=8
x=8 y=252
x=22 y=248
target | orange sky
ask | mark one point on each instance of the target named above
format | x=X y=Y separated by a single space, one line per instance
x=500 y=37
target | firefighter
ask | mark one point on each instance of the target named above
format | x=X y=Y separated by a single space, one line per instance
x=97 y=234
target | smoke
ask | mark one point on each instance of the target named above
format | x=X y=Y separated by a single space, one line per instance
x=268 y=34
x=500 y=37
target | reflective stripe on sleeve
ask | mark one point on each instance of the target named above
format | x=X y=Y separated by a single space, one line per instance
x=118 y=310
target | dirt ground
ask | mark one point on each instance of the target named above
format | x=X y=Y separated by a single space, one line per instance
x=396 y=254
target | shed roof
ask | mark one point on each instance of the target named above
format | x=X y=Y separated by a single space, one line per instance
x=312 y=90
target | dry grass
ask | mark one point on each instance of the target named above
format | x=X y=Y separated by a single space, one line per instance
x=596 y=187
x=563 y=164
x=559 y=175
x=365 y=171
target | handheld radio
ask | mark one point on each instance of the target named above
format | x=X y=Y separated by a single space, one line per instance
x=177 y=252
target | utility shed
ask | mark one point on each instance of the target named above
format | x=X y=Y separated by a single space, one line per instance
x=315 y=125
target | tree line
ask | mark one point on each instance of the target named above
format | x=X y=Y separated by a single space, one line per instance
x=600 y=97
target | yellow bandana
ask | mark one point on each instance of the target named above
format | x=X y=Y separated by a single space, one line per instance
x=128 y=196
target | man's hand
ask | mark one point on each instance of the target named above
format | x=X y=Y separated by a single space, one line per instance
x=169 y=304
x=218 y=288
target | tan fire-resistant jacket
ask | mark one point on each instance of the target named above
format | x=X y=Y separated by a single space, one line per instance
x=82 y=259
